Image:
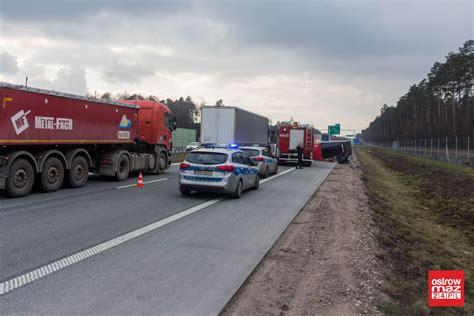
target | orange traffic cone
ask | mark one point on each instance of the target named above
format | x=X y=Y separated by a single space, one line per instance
x=140 y=183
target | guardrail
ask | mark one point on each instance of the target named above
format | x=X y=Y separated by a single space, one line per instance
x=178 y=150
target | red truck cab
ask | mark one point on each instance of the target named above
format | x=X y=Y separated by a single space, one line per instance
x=155 y=122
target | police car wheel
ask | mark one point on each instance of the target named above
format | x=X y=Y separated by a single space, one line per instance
x=238 y=190
x=184 y=191
x=257 y=183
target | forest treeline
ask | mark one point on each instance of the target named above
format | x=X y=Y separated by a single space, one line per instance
x=441 y=105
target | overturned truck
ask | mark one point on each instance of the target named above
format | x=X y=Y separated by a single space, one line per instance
x=340 y=149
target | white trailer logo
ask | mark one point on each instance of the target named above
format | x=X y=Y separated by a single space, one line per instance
x=20 y=122
x=43 y=122
x=58 y=123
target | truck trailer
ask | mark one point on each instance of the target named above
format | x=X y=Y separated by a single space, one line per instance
x=288 y=139
x=55 y=137
x=232 y=125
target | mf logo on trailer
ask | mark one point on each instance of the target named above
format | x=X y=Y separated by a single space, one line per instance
x=20 y=122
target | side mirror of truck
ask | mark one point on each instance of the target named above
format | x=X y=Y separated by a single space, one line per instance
x=174 y=123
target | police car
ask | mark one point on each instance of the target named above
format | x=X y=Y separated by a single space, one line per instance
x=267 y=164
x=215 y=168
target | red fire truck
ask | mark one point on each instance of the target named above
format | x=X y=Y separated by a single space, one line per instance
x=288 y=139
x=57 y=137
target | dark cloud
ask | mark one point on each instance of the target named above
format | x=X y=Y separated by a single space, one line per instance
x=73 y=11
x=376 y=49
x=354 y=37
x=8 y=64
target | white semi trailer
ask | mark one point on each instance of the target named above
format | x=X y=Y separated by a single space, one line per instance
x=232 y=125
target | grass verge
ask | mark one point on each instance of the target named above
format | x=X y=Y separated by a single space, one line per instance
x=425 y=210
x=178 y=157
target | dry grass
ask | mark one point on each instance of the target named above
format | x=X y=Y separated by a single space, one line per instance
x=425 y=210
x=178 y=157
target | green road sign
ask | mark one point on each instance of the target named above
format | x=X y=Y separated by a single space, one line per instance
x=334 y=129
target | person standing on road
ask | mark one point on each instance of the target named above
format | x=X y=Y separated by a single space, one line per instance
x=299 y=154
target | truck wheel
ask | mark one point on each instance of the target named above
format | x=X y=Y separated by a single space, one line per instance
x=276 y=169
x=52 y=176
x=20 y=179
x=123 y=168
x=238 y=190
x=265 y=175
x=161 y=162
x=79 y=172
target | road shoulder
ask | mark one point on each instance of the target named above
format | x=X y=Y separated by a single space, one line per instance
x=325 y=262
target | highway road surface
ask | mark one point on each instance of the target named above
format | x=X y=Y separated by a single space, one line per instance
x=112 y=248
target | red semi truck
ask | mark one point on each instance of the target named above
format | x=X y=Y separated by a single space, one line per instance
x=56 y=137
x=288 y=139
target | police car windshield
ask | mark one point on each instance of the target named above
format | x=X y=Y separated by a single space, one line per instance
x=204 y=158
x=251 y=152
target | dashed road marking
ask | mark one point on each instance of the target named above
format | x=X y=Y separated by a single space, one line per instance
x=39 y=273
x=133 y=185
x=60 y=264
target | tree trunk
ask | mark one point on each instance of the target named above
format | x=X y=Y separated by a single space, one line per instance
x=454 y=118
x=416 y=119
x=428 y=114
x=439 y=116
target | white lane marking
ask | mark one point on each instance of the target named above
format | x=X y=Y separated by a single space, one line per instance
x=277 y=175
x=60 y=264
x=39 y=273
x=134 y=185
x=176 y=163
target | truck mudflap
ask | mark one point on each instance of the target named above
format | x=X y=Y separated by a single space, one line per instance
x=108 y=162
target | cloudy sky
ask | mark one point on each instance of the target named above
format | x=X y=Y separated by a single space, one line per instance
x=319 y=62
